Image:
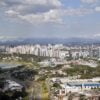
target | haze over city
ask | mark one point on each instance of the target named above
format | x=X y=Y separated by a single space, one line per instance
x=49 y=19
x=49 y=49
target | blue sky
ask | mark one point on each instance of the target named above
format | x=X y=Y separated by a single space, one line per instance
x=49 y=18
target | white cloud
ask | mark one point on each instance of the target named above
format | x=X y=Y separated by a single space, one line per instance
x=78 y=11
x=12 y=13
x=97 y=35
x=6 y=38
x=89 y=1
x=50 y=3
x=40 y=11
x=97 y=9
x=55 y=3
x=50 y=16
x=33 y=10
x=53 y=15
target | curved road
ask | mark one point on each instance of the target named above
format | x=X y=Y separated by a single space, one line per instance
x=36 y=92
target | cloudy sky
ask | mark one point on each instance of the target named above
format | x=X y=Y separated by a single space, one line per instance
x=49 y=18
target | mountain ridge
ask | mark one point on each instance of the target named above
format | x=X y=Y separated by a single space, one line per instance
x=50 y=41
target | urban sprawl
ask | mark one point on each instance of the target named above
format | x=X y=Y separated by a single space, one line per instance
x=50 y=72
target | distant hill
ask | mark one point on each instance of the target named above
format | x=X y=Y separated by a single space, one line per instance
x=66 y=41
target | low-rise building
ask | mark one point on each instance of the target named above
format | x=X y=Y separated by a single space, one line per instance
x=12 y=85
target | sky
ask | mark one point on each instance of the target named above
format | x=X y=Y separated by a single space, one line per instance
x=49 y=19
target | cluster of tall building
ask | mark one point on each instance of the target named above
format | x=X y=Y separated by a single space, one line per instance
x=49 y=51
x=58 y=50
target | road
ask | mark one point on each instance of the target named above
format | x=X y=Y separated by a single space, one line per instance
x=47 y=82
x=36 y=92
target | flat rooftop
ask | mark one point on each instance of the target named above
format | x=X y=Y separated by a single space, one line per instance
x=83 y=83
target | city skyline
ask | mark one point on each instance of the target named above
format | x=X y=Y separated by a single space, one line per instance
x=49 y=19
